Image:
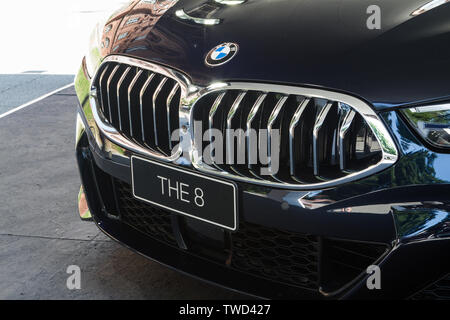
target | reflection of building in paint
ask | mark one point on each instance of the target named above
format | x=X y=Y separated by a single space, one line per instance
x=158 y=42
x=111 y=27
x=129 y=30
x=135 y=27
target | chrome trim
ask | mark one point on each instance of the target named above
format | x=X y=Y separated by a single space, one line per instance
x=273 y=117
x=389 y=148
x=212 y=113
x=107 y=91
x=250 y=119
x=111 y=133
x=230 y=117
x=101 y=80
x=119 y=84
x=190 y=94
x=317 y=126
x=155 y=96
x=345 y=126
x=133 y=82
x=294 y=123
x=206 y=22
x=168 y=103
x=141 y=104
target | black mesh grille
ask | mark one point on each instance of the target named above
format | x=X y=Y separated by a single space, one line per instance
x=147 y=219
x=344 y=261
x=140 y=104
x=438 y=291
x=276 y=255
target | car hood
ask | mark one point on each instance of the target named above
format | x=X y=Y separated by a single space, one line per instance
x=323 y=44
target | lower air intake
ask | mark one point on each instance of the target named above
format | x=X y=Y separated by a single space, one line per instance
x=294 y=259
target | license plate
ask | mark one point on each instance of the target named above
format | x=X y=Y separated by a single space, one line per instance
x=190 y=194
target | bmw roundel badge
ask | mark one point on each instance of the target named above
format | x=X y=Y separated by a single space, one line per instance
x=221 y=54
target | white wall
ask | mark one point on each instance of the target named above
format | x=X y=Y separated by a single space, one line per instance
x=48 y=35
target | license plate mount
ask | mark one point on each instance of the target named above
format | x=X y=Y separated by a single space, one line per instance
x=184 y=192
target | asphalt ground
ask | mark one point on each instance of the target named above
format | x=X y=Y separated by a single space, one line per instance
x=18 y=89
x=40 y=232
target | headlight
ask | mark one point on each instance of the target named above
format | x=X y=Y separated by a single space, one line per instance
x=432 y=123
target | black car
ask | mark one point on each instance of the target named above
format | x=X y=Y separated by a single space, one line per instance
x=284 y=149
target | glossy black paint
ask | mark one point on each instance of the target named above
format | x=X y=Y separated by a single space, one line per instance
x=314 y=43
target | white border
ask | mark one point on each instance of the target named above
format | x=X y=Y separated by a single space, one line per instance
x=193 y=174
x=35 y=101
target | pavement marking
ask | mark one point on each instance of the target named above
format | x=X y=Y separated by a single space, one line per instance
x=34 y=101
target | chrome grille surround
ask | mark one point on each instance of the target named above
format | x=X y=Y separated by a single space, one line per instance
x=388 y=150
x=114 y=132
x=191 y=95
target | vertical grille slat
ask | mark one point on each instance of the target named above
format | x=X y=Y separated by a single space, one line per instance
x=142 y=105
x=119 y=87
x=273 y=118
x=162 y=116
x=294 y=124
x=103 y=94
x=212 y=113
x=131 y=102
x=136 y=105
x=348 y=117
x=317 y=127
x=231 y=149
x=109 y=92
x=155 y=124
x=250 y=143
x=217 y=120
x=172 y=94
x=261 y=125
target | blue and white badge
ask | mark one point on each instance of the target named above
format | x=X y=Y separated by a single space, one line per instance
x=221 y=54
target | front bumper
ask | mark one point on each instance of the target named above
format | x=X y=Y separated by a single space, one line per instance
x=399 y=219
